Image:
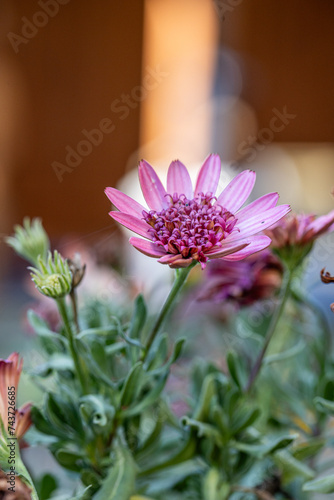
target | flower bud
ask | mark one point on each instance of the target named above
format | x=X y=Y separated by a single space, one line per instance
x=77 y=269
x=53 y=278
x=30 y=240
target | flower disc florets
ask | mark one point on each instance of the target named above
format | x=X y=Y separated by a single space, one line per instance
x=185 y=224
x=190 y=227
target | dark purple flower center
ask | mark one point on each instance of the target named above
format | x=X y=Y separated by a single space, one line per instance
x=190 y=227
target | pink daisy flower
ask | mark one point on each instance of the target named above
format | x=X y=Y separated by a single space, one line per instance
x=183 y=225
x=300 y=229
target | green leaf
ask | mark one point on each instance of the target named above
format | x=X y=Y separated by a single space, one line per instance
x=43 y=425
x=303 y=451
x=324 y=405
x=323 y=485
x=51 y=341
x=157 y=354
x=291 y=467
x=56 y=363
x=70 y=460
x=206 y=398
x=186 y=452
x=93 y=366
x=138 y=318
x=268 y=446
x=99 y=332
x=245 y=417
x=235 y=369
x=46 y=486
x=329 y=390
x=97 y=412
x=120 y=481
x=171 y=476
x=149 y=399
x=282 y=356
x=213 y=487
x=132 y=385
x=203 y=430
x=177 y=350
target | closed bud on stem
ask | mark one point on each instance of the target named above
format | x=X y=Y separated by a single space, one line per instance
x=77 y=269
x=53 y=278
x=30 y=241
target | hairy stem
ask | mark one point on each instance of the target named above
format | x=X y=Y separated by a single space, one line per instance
x=180 y=279
x=73 y=297
x=70 y=337
x=285 y=291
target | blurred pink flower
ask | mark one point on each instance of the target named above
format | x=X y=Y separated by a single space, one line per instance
x=300 y=229
x=184 y=225
x=10 y=371
x=243 y=282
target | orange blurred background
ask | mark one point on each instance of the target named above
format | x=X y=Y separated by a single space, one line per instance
x=87 y=88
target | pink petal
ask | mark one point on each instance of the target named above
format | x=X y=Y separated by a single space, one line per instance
x=124 y=203
x=208 y=177
x=259 y=222
x=321 y=224
x=178 y=180
x=133 y=223
x=153 y=190
x=260 y=205
x=238 y=190
x=226 y=249
x=147 y=247
x=256 y=245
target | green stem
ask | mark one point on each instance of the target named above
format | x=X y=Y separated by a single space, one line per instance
x=73 y=297
x=180 y=279
x=285 y=291
x=69 y=334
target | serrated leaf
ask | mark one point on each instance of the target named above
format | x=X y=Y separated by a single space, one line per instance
x=323 y=485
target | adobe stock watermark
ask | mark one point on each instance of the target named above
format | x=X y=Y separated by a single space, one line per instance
x=249 y=148
x=121 y=107
x=30 y=27
x=224 y=7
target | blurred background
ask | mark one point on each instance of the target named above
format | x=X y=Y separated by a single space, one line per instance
x=88 y=88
